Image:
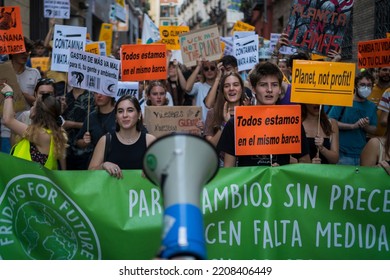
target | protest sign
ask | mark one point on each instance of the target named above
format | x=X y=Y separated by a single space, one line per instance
x=266 y=130
x=162 y=120
x=246 y=51
x=242 y=26
x=170 y=36
x=66 y=38
x=318 y=26
x=93 y=72
x=106 y=36
x=143 y=62
x=93 y=47
x=228 y=45
x=41 y=63
x=8 y=76
x=374 y=53
x=297 y=211
x=200 y=43
x=127 y=88
x=317 y=82
x=11 y=31
x=150 y=31
x=120 y=11
x=264 y=48
x=56 y=9
x=283 y=49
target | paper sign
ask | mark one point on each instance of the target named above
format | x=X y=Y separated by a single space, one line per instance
x=284 y=49
x=66 y=37
x=127 y=88
x=11 y=32
x=246 y=51
x=317 y=82
x=200 y=43
x=267 y=130
x=120 y=11
x=170 y=36
x=56 y=9
x=143 y=62
x=228 y=48
x=106 y=35
x=93 y=48
x=8 y=76
x=374 y=53
x=242 y=26
x=93 y=72
x=41 y=63
x=162 y=120
x=318 y=26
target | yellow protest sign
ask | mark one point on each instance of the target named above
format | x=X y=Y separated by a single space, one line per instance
x=318 y=82
x=41 y=63
x=106 y=35
x=93 y=48
x=265 y=130
x=242 y=26
x=170 y=36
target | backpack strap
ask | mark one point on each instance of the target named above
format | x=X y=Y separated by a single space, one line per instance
x=107 y=147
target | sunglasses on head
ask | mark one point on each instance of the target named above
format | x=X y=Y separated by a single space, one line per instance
x=46 y=81
x=212 y=68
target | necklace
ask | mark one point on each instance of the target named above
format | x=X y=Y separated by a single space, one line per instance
x=129 y=141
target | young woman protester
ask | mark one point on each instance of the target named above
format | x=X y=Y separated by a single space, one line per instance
x=44 y=141
x=125 y=148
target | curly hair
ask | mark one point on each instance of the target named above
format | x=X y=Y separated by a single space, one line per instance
x=47 y=110
x=218 y=118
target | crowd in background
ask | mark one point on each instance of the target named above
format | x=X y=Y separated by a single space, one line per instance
x=75 y=129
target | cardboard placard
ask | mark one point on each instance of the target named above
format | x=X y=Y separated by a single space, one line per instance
x=8 y=76
x=267 y=130
x=42 y=63
x=203 y=42
x=11 y=31
x=318 y=82
x=162 y=120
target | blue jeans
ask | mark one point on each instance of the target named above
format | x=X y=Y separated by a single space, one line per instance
x=5 y=145
x=348 y=160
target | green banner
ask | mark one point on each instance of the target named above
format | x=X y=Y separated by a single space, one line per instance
x=299 y=211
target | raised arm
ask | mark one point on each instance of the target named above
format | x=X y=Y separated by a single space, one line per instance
x=191 y=80
x=210 y=98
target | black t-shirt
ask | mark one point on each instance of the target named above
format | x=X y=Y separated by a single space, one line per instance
x=227 y=144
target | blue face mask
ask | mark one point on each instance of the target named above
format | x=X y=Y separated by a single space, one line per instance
x=364 y=92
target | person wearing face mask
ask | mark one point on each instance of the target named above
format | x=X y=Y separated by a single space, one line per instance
x=356 y=121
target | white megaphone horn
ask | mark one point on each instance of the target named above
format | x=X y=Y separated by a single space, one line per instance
x=181 y=164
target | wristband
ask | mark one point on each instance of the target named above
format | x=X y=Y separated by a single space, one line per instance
x=8 y=93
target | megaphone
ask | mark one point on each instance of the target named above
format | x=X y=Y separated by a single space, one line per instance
x=181 y=164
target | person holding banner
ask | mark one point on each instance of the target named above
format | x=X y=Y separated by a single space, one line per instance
x=125 y=148
x=356 y=121
x=322 y=134
x=44 y=141
x=266 y=81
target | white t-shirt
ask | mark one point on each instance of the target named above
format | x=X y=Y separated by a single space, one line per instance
x=200 y=91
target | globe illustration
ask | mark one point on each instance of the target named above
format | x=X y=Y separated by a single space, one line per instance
x=43 y=233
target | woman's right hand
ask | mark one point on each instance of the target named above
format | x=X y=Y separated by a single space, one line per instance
x=6 y=88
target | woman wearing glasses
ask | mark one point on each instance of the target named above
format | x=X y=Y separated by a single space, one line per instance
x=44 y=141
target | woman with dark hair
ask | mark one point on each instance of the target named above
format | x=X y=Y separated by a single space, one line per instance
x=125 y=148
x=44 y=141
x=322 y=134
x=377 y=151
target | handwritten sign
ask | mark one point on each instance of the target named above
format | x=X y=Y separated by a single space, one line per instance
x=8 y=76
x=41 y=63
x=11 y=32
x=170 y=36
x=66 y=37
x=56 y=9
x=246 y=51
x=374 y=53
x=318 y=26
x=143 y=62
x=162 y=120
x=127 y=88
x=265 y=130
x=317 y=82
x=93 y=72
x=242 y=26
x=200 y=43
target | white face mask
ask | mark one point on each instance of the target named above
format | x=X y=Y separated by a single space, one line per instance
x=364 y=92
